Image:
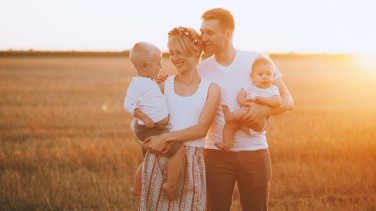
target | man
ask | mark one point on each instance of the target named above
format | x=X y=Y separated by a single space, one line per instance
x=248 y=161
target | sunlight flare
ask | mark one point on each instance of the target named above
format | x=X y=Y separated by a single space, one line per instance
x=367 y=62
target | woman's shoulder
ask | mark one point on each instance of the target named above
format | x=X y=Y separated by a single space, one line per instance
x=207 y=83
x=211 y=86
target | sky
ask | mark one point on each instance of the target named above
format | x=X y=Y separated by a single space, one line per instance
x=301 y=26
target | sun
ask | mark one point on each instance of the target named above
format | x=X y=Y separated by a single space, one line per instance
x=367 y=61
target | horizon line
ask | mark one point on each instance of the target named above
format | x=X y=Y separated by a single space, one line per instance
x=3 y=51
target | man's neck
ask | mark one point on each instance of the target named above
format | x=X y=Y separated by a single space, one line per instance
x=226 y=57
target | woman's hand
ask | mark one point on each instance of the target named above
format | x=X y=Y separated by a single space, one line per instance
x=157 y=144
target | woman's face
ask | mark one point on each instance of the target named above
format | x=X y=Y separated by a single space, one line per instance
x=181 y=62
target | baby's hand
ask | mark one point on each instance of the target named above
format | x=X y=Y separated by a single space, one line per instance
x=247 y=102
x=258 y=100
x=161 y=78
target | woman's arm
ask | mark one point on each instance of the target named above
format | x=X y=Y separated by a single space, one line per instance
x=157 y=143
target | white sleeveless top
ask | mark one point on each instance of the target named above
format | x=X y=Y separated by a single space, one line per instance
x=185 y=111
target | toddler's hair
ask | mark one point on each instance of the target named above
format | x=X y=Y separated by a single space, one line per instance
x=141 y=52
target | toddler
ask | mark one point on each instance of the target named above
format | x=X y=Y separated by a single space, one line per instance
x=146 y=102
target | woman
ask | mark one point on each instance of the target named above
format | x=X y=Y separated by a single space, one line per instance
x=192 y=103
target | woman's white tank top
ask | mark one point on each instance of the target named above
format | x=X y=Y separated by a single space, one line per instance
x=185 y=111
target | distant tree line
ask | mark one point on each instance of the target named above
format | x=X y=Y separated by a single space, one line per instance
x=64 y=53
x=27 y=53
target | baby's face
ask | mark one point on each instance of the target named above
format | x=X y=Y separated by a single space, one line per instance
x=154 y=65
x=263 y=75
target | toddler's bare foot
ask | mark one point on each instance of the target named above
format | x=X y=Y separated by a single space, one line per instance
x=224 y=145
x=226 y=113
x=135 y=192
x=169 y=191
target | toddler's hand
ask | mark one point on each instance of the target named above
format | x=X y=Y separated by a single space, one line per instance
x=148 y=122
x=161 y=78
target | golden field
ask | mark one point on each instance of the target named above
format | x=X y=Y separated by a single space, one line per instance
x=65 y=142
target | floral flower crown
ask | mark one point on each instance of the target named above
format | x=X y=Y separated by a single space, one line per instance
x=186 y=32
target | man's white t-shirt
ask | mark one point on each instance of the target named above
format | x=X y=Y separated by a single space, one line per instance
x=231 y=79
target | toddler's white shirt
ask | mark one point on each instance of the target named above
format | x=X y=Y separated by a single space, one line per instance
x=145 y=94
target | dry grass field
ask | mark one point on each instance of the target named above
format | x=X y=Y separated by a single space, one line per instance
x=65 y=142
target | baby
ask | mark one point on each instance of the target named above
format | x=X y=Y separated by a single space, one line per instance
x=260 y=90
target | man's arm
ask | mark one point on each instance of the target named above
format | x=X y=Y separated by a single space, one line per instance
x=272 y=101
x=287 y=103
x=255 y=118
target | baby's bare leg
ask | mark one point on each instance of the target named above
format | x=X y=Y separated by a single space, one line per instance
x=227 y=113
x=137 y=186
x=235 y=115
x=239 y=113
x=173 y=172
x=228 y=135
